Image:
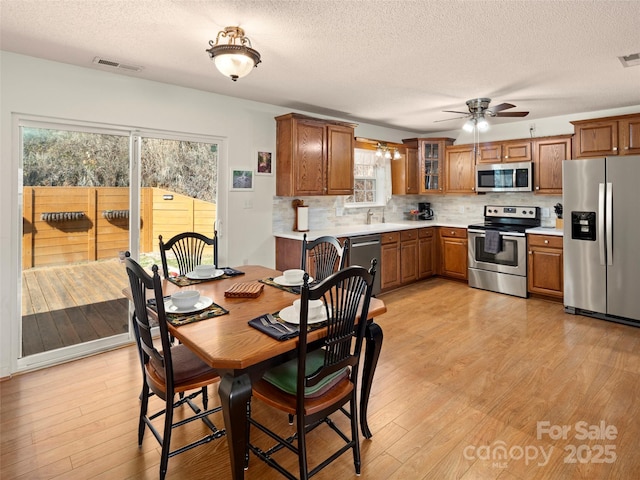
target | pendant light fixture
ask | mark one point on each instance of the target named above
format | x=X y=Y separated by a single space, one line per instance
x=234 y=59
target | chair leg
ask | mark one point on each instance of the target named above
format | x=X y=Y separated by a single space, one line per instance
x=354 y=434
x=302 y=448
x=166 y=438
x=144 y=403
x=205 y=398
x=290 y=419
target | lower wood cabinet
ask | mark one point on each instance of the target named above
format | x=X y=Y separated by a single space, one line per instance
x=453 y=252
x=389 y=270
x=408 y=256
x=426 y=247
x=545 y=265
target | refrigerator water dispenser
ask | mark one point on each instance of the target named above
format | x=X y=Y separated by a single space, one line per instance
x=583 y=226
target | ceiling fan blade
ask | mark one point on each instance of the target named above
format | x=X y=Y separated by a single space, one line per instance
x=454 y=118
x=454 y=111
x=502 y=106
x=512 y=114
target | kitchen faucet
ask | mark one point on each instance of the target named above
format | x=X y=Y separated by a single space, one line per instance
x=369 y=215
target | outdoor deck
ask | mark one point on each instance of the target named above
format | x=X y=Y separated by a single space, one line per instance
x=71 y=304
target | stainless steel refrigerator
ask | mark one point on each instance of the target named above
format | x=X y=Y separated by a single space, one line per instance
x=601 y=199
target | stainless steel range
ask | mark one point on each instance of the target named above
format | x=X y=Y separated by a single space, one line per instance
x=498 y=249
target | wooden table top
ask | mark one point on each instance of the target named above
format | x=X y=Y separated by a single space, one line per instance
x=227 y=341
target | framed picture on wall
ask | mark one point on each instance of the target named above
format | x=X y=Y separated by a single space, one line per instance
x=241 y=180
x=264 y=162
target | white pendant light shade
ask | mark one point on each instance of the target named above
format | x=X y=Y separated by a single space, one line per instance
x=482 y=124
x=469 y=125
x=234 y=65
x=235 y=59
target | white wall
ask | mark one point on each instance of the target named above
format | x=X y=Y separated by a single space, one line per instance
x=43 y=88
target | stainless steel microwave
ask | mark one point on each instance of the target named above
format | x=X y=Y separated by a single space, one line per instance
x=504 y=177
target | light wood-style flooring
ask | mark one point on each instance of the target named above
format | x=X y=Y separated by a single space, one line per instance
x=465 y=379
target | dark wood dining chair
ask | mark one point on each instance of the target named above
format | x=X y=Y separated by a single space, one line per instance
x=321 y=380
x=168 y=370
x=187 y=248
x=326 y=256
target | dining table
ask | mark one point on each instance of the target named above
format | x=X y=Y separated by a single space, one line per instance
x=242 y=353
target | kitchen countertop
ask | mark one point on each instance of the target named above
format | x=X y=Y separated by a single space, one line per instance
x=353 y=230
x=545 y=231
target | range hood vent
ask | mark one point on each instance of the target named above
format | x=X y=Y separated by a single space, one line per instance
x=118 y=65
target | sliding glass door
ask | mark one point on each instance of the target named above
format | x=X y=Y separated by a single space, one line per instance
x=88 y=195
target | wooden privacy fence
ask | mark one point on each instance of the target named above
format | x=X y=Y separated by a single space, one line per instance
x=78 y=224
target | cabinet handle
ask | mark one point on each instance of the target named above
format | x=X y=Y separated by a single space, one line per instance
x=453 y=233
x=506 y=156
x=537 y=187
x=546 y=241
x=615 y=149
x=530 y=252
x=626 y=148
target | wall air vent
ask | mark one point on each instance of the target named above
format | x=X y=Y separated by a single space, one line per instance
x=118 y=65
x=632 y=60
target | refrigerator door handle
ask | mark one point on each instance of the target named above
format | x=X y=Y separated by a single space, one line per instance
x=609 y=223
x=601 y=226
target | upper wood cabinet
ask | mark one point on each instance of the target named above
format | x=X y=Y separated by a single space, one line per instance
x=459 y=169
x=607 y=136
x=548 y=154
x=509 y=151
x=313 y=156
x=430 y=162
x=404 y=172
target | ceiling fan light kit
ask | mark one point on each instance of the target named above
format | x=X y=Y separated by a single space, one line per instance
x=236 y=58
x=479 y=110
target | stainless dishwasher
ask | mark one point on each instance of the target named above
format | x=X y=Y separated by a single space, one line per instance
x=362 y=249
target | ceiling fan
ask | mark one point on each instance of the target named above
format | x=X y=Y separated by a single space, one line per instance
x=479 y=110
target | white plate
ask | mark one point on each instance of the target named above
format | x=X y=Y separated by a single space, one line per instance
x=281 y=281
x=195 y=276
x=201 y=304
x=289 y=315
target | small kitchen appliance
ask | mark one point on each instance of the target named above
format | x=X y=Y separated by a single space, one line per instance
x=425 y=211
x=498 y=249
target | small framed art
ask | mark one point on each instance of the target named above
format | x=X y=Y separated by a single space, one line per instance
x=241 y=180
x=264 y=162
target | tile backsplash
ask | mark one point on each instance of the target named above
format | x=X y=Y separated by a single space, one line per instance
x=457 y=209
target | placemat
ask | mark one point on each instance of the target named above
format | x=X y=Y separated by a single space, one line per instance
x=214 y=310
x=183 y=281
x=269 y=281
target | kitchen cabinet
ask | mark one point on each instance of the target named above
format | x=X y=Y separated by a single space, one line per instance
x=548 y=154
x=545 y=265
x=430 y=162
x=425 y=252
x=404 y=172
x=459 y=169
x=390 y=265
x=607 y=136
x=313 y=157
x=453 y=252
x=408 y=256
x=508 y=151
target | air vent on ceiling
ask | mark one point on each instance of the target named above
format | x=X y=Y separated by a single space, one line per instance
x=118 y=65
x=632 y=60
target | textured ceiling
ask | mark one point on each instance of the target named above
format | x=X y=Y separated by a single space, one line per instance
x=392 y=63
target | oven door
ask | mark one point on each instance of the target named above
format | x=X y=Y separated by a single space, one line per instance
x=512 y=259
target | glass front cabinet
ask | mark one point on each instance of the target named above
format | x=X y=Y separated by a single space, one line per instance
x=430 y=162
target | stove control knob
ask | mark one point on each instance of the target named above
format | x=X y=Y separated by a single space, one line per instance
x=530 y=212
x=524 y=212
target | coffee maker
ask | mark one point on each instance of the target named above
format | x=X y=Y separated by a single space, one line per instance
x=425 y=211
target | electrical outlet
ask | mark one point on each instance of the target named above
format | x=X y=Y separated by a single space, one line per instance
x=545 y=212
x=339 y=211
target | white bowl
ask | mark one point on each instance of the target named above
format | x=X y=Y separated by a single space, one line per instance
x=315 y=307
x=185 y=298
x=294 y=275
x=204 y=270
